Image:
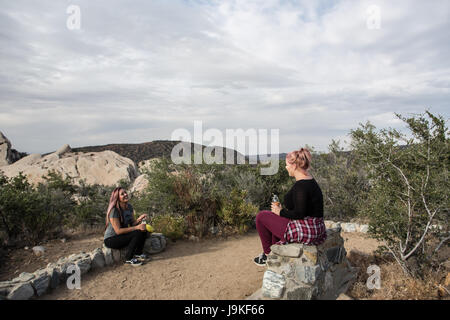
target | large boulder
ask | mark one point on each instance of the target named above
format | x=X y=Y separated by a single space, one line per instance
x=7 y=154
x=139 y=184
x=106 y=167
x=147 y=164
x=155 y=243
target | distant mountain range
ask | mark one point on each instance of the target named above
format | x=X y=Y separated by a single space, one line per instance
x=148 y=150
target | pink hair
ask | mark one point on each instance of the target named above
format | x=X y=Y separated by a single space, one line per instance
x=113 y=203
x=301 y=158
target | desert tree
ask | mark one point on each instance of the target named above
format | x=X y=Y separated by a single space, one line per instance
x=408 y=204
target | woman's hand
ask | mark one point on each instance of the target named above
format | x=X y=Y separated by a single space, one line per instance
x=141 y=217
x=276 y=208
x=141 y=227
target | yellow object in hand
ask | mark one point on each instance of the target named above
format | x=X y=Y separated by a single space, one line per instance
x=149 y=228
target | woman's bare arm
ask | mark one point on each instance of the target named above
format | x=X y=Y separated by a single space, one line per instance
x=118 y=230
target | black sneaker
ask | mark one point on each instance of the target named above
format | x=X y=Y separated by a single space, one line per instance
x=134 y=262
x=260 y=260
x=142 y=257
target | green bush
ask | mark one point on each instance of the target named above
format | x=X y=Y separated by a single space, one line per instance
x=185 y=190
x=409 y=188
x=236 y=212
x=92 y=202
x=343 y=182
x=170 y=225
x=32 y=213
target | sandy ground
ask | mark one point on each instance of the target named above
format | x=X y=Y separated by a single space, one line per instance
x=15 y=261
x=209 y=269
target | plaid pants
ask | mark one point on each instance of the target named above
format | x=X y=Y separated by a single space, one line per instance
x=274 y=229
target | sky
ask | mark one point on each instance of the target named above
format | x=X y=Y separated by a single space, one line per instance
x=84 y=72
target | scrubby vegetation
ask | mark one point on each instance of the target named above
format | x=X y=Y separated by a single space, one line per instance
x=32 y=213
x=399 y=185
x=407 y=203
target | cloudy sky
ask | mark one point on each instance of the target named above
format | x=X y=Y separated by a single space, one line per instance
x=135 y=71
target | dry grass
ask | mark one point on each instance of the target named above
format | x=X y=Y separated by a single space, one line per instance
x=395 y=285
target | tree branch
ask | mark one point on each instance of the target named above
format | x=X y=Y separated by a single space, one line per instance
x=440 y=244
x=431 y=216
x=398 y=261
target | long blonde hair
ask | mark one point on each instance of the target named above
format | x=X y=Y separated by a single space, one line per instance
x=114 y=203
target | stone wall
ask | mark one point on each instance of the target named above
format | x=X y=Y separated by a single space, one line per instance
x=29 y=285
x=348 y=226
x=305 y=272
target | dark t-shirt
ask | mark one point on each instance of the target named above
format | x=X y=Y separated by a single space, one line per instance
x=305 y=199
x=127 y=220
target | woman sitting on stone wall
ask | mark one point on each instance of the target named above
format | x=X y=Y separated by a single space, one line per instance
x=301 y=220
x=122 y=230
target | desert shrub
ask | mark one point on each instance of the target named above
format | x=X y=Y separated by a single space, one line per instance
x=55 y=181
x=10 y=204
x=278 y=184
x=170 y=225
x=242 y=177
x=343 y=182
x=409 y=188
x=92 y=201
x=236 y=212
x=196 y=192
x=45 y=213
x=158 y=197
x=189 y=191
x=31 y=213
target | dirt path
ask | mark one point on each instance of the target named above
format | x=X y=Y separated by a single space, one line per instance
x=214 y=269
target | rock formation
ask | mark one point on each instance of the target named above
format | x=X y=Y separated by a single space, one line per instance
x=141 y=182
x=106 y=167
x=8 y=155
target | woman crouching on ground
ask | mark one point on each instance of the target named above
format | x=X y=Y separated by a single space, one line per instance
x=301 y=220
x=122 y=230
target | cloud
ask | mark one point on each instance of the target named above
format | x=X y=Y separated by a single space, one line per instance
x=135 y=73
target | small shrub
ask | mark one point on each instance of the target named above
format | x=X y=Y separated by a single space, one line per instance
x=237 y=212
x=171 y=226
x=343 y=182
x=92 y=201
